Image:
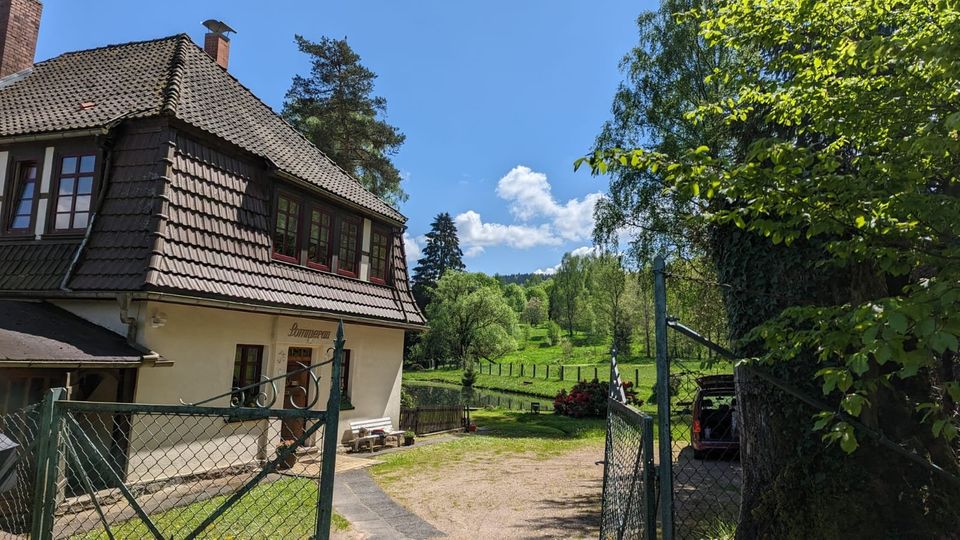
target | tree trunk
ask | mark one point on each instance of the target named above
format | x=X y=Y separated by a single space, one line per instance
x=794 y=484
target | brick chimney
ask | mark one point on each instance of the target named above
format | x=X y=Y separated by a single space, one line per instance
x=216 y=42
x=19 y=26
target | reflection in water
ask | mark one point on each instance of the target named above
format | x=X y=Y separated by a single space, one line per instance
x=427 y=394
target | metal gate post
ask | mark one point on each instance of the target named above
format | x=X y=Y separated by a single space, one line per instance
x=48 y=464
x=663 y=399
x=331 y=429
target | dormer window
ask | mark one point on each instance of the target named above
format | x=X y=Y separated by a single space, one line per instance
x=320 y=245
x=285 y=245
x=24 y=210
x=379 y=250
x=74 y=193
x=347 y=259
x=313 y=233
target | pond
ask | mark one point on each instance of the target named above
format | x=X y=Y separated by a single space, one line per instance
x=429 y=393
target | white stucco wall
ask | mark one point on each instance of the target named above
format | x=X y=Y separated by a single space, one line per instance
x=201 y=342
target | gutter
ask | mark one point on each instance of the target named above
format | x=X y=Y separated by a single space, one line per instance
x=172 y=298
x=56 y=135
x=290 y=312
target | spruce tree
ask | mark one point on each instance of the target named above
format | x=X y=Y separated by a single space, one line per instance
x=335 y=109
x=441 y=253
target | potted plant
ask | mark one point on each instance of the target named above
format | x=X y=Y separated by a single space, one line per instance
x=472 y=428
x=291 y=459
x=408 y=438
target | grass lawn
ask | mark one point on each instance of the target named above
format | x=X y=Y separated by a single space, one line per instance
x=537 y=350
x=286 y=508
x=510 y=433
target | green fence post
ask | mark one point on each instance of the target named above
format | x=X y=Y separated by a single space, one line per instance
x=534 y=371
x=48 y=465
x=578 y=374
x=561 y=372
x=663 y=398
x=330 y=431
x=636 y=378
x=521 y=370
x=547 y=377
x=595 y=373
x=499 y=370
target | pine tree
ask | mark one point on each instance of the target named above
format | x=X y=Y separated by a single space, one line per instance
x=335 y=109
x=441 y=253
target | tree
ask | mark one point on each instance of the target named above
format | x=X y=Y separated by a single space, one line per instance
x=442 y=253
x=516 y=296
x=535 y=312
x=831 y=214
x=568 y=288
x=470 y=318
x=335 y=109
x=608 y=285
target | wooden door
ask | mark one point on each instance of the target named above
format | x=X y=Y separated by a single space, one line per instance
x=296 y=389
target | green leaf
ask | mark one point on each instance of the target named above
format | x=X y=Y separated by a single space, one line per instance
x=898 y=321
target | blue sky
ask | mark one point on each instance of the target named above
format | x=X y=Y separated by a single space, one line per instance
x=497 y=98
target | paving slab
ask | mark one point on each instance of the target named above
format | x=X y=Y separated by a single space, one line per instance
x=373 y=513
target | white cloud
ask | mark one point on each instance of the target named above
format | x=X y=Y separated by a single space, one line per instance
x=542 y=220
x=582 y=251
x=412 y=248
x=530 y=197
x=475 y=235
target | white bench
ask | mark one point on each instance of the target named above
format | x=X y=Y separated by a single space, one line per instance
x=378 y=430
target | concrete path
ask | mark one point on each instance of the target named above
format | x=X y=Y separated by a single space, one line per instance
x=373 y=513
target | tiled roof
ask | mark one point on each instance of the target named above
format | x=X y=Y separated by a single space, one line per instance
x=205 y=229
x=173 y=77
x=43 y=334
x=34 y=266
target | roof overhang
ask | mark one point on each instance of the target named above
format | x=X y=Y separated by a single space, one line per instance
x=41 y=335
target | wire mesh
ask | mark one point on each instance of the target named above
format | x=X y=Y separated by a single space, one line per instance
x=707 y=476
x=181 y=470
x=18 y=470
x=627 y=491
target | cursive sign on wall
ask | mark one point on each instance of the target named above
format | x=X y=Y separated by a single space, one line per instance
x=308 y=333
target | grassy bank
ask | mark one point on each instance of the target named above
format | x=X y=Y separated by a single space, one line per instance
x=536 y=349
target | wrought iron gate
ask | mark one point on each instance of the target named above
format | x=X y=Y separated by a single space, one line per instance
x=127 y=470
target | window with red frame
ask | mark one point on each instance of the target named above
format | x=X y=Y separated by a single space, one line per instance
x=285 y=246
x=320 y=241
x=247 y=366
x=349 y=247
x=379 y=249
x=21 y=219
x=74 y=193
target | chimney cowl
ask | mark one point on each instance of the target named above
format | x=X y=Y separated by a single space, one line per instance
x=19 y=27
x=217 y=43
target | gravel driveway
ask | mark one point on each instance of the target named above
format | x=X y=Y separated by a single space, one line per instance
x=486 y=495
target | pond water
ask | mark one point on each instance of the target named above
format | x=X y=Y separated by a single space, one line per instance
x=428 y=393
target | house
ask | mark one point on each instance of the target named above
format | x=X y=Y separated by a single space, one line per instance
x=165 y=236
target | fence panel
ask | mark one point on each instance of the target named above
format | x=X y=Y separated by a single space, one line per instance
x=629 y=495
x=18 y=469
x=425 y=420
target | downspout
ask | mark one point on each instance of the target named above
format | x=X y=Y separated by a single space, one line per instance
x=149 y=357
x=124 y=300
x=101 y=195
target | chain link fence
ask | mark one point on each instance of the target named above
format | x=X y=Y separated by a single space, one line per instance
x=18 y=433
x=707 y=476
x=629 y=499
x=172 y=472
